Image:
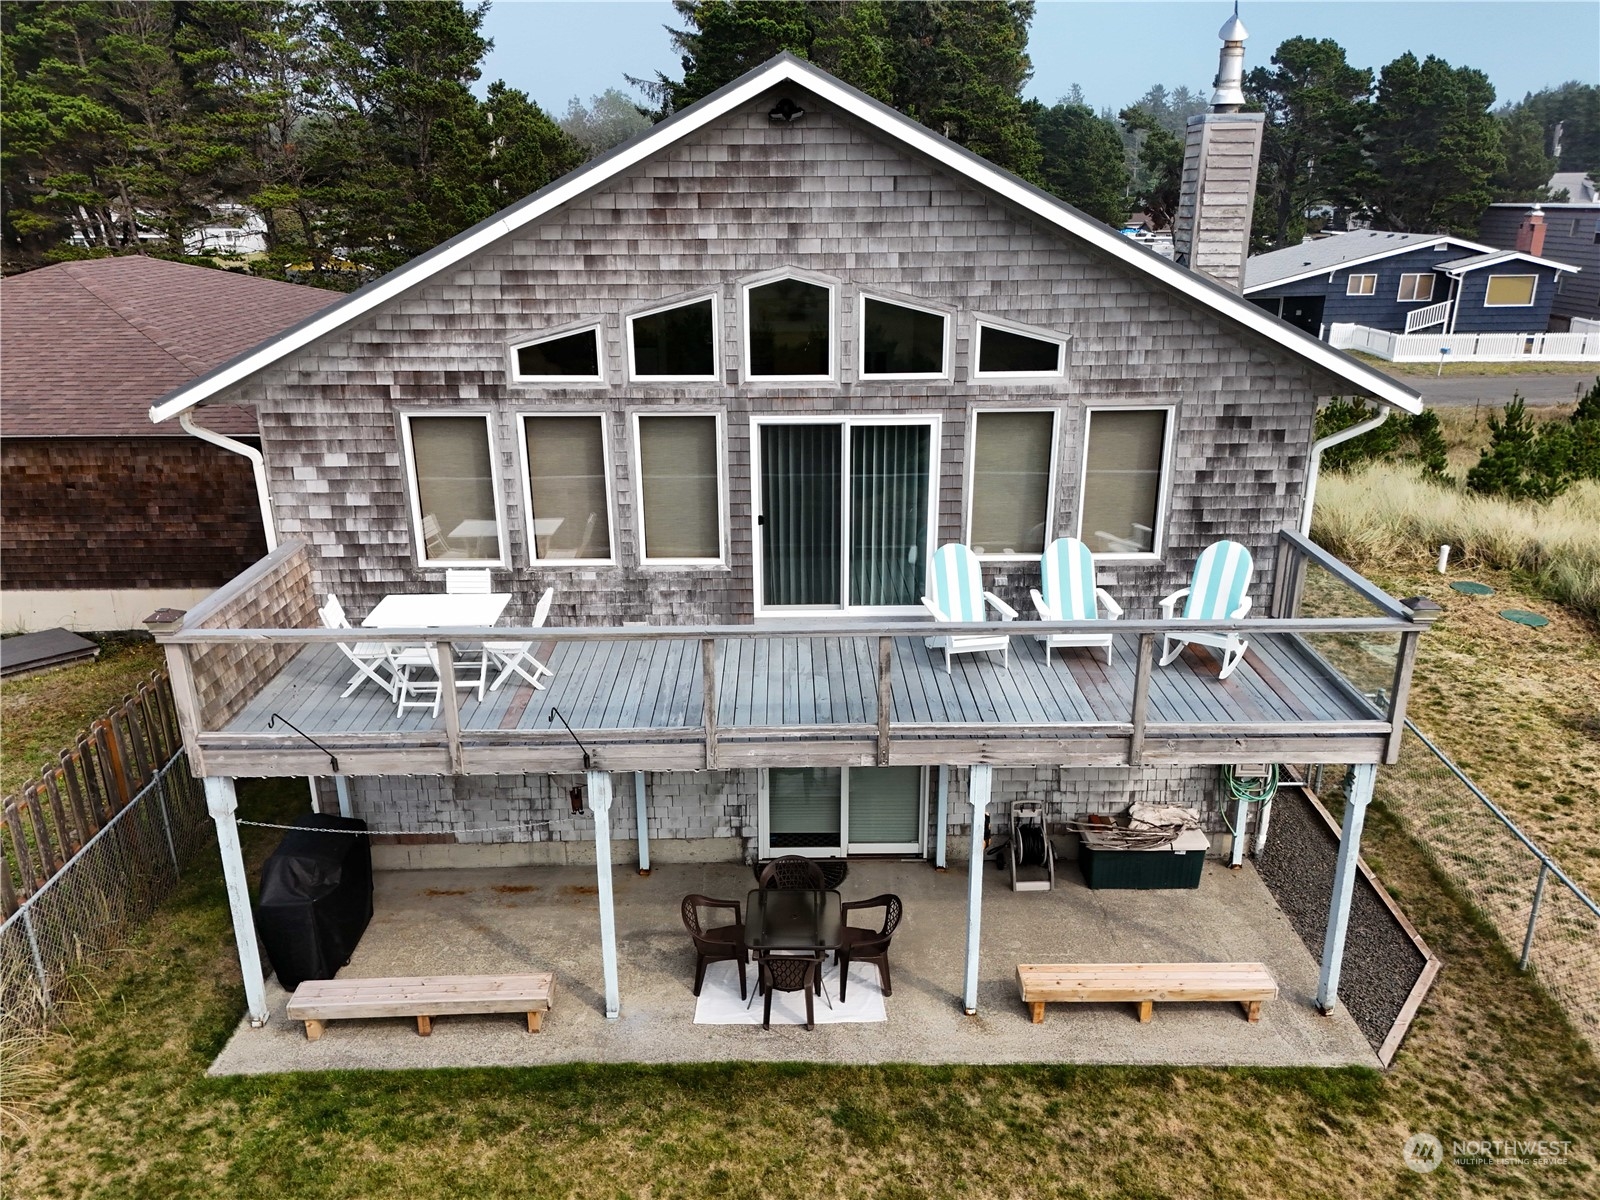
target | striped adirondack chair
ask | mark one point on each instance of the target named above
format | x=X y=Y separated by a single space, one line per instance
x=1068 y=593
x=1219 y=591
x=958 y=595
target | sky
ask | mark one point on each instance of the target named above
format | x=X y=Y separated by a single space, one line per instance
x=555 y=50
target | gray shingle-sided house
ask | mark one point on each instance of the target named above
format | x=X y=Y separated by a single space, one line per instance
x=725 y=390
x=1405 y=283
x=1567 y=232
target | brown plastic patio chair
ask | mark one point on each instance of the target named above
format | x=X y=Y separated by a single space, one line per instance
x=869 y=945
x=720 y=943
x=792 y=873
x=789 y=973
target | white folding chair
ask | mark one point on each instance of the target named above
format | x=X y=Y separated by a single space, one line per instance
x=516 y=658
x=370 y=659
x=411 y=689
x=460 y=581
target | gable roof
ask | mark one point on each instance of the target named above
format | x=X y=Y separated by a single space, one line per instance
x=1460 y=266
x=86 y=347
x=1308 y=259
x=781 y=69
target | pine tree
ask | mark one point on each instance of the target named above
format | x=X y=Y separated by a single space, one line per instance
x=1081 y=158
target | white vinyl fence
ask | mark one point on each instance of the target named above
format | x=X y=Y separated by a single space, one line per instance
x=1578 y=346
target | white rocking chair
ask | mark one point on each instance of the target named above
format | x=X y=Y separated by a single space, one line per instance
x=1219 y=591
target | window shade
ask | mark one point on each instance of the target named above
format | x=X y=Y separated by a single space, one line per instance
x=455 y=487
x=885 y=805
x=567 y=483
x=888 y=513
x=678 y=481
x=1509 y=290
x=803 y=807
x=1011 y=482
x=1122 y=481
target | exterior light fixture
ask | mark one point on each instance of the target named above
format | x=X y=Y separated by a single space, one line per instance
x=785 y=112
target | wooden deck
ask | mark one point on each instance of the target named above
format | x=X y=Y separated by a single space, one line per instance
x=782 y=700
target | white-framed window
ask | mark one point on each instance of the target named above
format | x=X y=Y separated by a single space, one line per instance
x=453 y=488
x=1002 y=353
x=574 y=356
x=1011 y=472
x=1416 y=288
x=680 y=481
x=567 y=488
x=1361 y=285
x=826 y=812
x=1510 y=291
x=1122 y=489
x=679 y=342
x=901 y=341
x=789 y=326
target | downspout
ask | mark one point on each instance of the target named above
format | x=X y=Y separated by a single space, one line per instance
x=1344 y=435
x=258 y=465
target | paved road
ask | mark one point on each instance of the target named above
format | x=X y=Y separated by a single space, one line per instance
x=1497 y=389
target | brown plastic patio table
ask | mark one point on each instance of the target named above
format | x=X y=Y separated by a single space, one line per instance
x=780 y=919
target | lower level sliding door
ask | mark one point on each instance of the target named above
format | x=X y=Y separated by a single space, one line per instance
x=823 y=812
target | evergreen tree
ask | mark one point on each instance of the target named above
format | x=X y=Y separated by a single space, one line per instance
x=610 y=119
x=1081 y=158
x=1432 y=148
x=1159 y=180
x=1574 y=109
x=1314 y=103
x=1523 y=462
x=1525 y=172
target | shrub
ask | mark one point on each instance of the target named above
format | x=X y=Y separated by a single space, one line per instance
x=1402 y=438
x=1529 y=462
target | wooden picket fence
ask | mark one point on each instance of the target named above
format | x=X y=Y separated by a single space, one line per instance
x=54 y=816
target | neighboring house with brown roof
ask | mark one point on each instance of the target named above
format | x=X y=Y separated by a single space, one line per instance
x=104 y=516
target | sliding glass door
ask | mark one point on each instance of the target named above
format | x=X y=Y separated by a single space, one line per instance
x=843 y=514
x=824 y=812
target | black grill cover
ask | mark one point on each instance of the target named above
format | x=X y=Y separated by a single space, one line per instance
x=316 y=898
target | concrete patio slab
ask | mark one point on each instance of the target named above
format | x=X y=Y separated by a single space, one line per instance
x=545 y=919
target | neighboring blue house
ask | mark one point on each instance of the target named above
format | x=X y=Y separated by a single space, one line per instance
x=1434 y=283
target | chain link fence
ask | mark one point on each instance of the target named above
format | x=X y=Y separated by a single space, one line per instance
x=94 y=903
x=1546 y=919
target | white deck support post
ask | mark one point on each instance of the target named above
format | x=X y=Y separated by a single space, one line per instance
x=979 y=781
x=316 y=797
x=599 y=790
x=342 y=786
x=223 y=803
x=1241 y=819
x=1363 y=776
x=642 y=820
x=942 y=820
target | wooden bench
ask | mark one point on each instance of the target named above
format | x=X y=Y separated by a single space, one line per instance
x=317 y=1001
x=1244 y=983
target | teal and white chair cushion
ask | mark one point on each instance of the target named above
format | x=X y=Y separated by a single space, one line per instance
x=1218 y=591
x=956 y=581
x=1068 y=592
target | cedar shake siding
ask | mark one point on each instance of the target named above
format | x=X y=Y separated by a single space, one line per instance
x=110 y=513
x=741 y=199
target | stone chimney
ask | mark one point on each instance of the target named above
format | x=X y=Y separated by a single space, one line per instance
x=1530 y=234
x=1221 y=156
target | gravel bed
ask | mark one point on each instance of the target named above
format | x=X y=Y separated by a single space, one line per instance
x=1381 y=963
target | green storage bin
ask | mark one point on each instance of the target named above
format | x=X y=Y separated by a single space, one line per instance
x=1140 y=870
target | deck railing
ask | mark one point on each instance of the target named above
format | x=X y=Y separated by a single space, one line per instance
x=880 y=739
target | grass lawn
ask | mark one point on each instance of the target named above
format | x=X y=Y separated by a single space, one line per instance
x=128 y=1112
x=1537 y=367
x=41 y=715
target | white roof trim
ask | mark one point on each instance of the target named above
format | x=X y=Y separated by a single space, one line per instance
x=1495 y=259
x=1335 y=268
x=785 y=68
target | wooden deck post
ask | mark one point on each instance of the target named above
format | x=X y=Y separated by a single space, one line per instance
x=1403 y=668
x=980 y=779
x=1363 y=777
x=450 y=706
x=885 y=696
x=341 y=784
x=708 y=698
x=223 y=804
x=599 y=790
x=1141 y=698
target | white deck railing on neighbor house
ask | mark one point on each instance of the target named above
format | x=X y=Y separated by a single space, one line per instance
x=1585 y=325
x=1423 y=318
x=1466 y=347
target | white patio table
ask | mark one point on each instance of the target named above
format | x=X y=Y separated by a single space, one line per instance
x=433 y=610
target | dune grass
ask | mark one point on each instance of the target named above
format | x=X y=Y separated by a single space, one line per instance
x=1389 y=516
